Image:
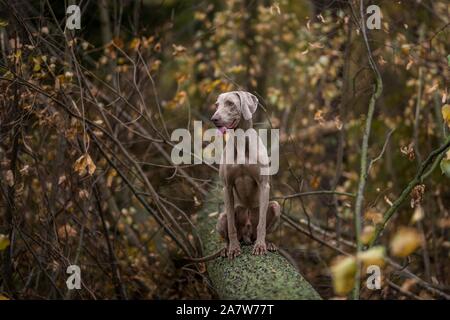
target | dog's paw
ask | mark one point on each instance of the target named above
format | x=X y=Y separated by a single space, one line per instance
x=233 y=251
x=259 y=248
x=271 y=246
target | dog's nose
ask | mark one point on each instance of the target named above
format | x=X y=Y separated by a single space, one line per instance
x=215 y=119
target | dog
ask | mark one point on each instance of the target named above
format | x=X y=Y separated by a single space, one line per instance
x=248 y=215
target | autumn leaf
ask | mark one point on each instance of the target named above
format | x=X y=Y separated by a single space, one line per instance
x=338 y=123
x=418 y=214
x=432 y=88
x=446 y=114
x=84 y=164
x=373 y=216
x=66 y=231
x=343 y=272
x=405 y=242
x=318 y=116
x=178 y=49
x=9 y=178
x=373 y=256
x=445 y=164
x=275 y=9
x=237 y=69
x=134 y=44
x=367 y=234
x=4 y=242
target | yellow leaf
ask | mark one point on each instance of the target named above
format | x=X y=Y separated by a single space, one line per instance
x=373 y=256
x=445 y=164
x=4 y=242
x=367 y=234
x=2 y=297
x=446 y=114
x=135 y=43
x=343 y=273
x=405 y=242
x=37 y=64
x=374 y=216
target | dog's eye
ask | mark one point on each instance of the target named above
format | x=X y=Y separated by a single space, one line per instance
x=228 y=103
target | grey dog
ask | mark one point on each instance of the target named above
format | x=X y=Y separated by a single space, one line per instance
x=249 y=215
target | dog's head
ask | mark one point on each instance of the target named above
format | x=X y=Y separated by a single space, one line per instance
x=232 y=107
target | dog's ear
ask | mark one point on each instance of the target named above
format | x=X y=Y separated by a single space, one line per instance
x=249 y=103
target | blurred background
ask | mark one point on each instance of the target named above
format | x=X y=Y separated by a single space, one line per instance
x=86 y=118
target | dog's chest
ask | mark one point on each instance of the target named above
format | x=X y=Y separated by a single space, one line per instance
x=243 y=178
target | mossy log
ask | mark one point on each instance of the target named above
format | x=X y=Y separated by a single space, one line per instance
x=248 y=276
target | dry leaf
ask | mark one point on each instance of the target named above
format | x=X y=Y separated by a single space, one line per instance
x=67 y=231
x=410 y=63
x=338 y=123
x=24 y=171
x=367 y=234
x=433 y=88
x=408 y=284
x=177 y=50
x=343 y=272
x=61 y=179
x=90 y=165
x=409 y=151
x=374 y=216
x=318 y=116
x=417 y=195
x=405 y=242
x=418 y=215
x=83 y=194
x=213 y=214
x=84 y=164
x=9 y=178
x=373 y=256
x=275 y=9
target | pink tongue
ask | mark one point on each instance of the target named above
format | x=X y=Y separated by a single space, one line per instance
x=222 y=130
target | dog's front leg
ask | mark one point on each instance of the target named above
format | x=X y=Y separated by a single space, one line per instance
x=260 y=246
x=234 y=248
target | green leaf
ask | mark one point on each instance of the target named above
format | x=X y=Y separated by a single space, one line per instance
x=445 y=167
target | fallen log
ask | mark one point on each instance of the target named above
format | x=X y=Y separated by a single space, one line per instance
x=248 y=276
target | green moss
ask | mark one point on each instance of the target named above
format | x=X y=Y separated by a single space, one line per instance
x=249 y=276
